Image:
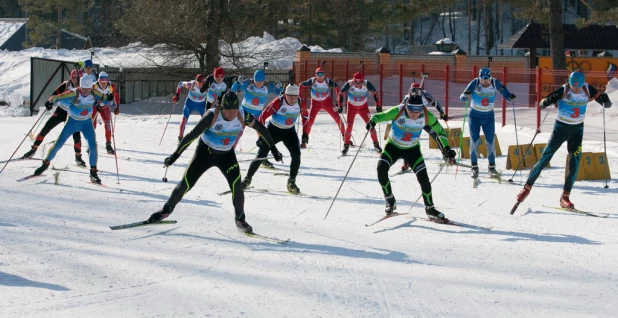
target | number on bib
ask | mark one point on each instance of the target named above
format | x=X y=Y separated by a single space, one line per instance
x=485 y=101
x=226 y=141
x=575 y=113
x=407 y=136
x=84 y=112
x=289 y=121
x=255 y=101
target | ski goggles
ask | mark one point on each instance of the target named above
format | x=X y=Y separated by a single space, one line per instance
x=414 y=107
x=319 y=73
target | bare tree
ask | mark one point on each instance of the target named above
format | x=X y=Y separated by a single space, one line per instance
x=556 y=36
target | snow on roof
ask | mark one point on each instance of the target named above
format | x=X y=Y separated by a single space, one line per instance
x=8 y=27
x=445 y=41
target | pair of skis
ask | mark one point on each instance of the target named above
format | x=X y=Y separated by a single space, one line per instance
x=445 y=221
x=165 y=222
x=577 y=211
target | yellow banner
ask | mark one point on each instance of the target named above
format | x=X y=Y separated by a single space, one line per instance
x=598 y=71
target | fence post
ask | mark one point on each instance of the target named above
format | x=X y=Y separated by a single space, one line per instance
x=400 y=82
x=538 y=98
x=474 y=72
x=503 y=99
x=447 y=78
x=305 y=78
x=347 y=70
x=332 y=76
x=381 y=69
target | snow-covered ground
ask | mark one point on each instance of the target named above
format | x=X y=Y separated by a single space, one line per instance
x=60 y=259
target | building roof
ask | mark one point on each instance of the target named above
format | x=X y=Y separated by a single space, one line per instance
x=8 y=27
x=593 y=37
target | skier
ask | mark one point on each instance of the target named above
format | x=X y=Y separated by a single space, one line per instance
x=79 y=103
x=357 y=91
x=110 y=96
x=407 y=121
x=217 y=130
x=216 y=84
x=284 y=111
x=572 y=100
x=256 y=91
x=482 y=92
x=427 y=100
x=195 y=101
x=320 y=100
x=89 y=71
x=59 y=116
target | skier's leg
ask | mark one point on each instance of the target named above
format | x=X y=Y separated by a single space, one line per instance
x=555 y=141
x=313 y=113
x=475 y=138
x=290 y=140
x=328 y=107
x=388 y=157
x=87 y=128
x=415 y=158
x=106 y=117
x=186 y=111
x=59 y=116
x=352 y=111
x=228 y=164
x=69 y=128
x=364 y=113
x=263 y=150
x=94 y=116
x=489 y=129
x=574 y=146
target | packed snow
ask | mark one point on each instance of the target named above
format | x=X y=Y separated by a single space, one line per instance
x=59 y=258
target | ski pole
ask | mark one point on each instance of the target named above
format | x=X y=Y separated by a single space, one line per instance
x=461 y=137
x=524 y=154
x=115 y=149
x=346 y=174
x=516 y=137
x=168 y=121
x=31 y=134
x=40 y=117
x=605 y=151
x=165 y=176
x=257 y=159
x=431 y=182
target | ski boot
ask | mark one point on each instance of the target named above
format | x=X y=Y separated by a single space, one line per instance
x=268 y=165
x=377 y=147
x=565 y=202
x=30 y=153
x=346 y=148
x=474 y=173
x=109 y=148
x=42 y=168
x=78 y=160
x=179 y=139
x=405 y=166
x=304 y=142
x=434 y=214
x=243 y=226
x=292 y=188
x=160 y=215
x=390 y=204
x=246 y=183
x=492 y=171
x=523 y=194
x=94 y=178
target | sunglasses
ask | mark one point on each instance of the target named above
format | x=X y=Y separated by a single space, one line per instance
x=320 y=73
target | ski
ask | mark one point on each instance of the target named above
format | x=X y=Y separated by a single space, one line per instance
x=578 y=211
x=388 y=216
x=141 y=223
x=101 y=185
x=266 y=238
x=515 y=207
x=230 y=191
x=454 y=164
x=449 y=222
x=251 y=189
x=30 y=177
x=400 y=172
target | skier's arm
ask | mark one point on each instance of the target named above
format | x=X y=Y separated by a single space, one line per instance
x=209 y=80
x=63 y=96
x=61 y=88
x=272 y=108
x=553 y=97
x=237 y=86
x=471 y=87
x=261 y=129
x=182 y=85
x=308 y=82
x=503 y=90
x=116 y=95
x=432 y=122
x=435 y=104
x=344 y=89
x=332 y=83
x=385 y=116
x=272 y=88
x=203 y=125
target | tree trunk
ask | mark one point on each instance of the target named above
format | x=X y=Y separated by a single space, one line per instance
x=59 y=29
x=478 y=30
x=213 y=24
x=469 y=29
x=556 y=38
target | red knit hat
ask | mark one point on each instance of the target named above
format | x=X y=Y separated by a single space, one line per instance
x=219 y=71
x=199 y=78
x=358 y=76
x=319 y=69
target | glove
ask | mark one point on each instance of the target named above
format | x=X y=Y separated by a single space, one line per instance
x=339 y=109
x=603 y=99
x=465 y=95
x=240 y=79
x=276 y=154
x=443 y=116
x=98 y=107
x=171 y=159
x=512 y=97
x=449 y=154
x=379 y=108
x=49 y=105
x=304 y=114
x=109 y=96
x=370 y=124
x=117 y=110
x=259 y=143
x=543 y=104
x=175 y=98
